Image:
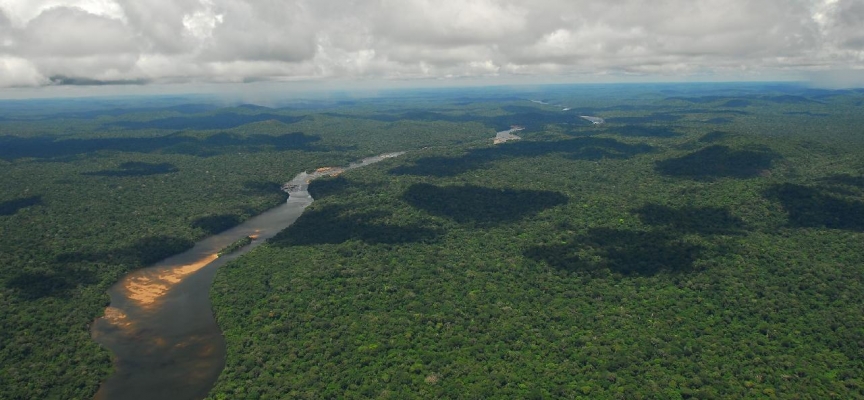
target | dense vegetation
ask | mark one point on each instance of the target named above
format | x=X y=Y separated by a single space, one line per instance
x=237 y=245
x=705 y=243
x=674 y=259
x=88 y=196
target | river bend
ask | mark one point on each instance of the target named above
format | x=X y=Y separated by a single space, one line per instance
x=160 y=325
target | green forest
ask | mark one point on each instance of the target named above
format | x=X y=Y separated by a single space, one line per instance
x=706 y=242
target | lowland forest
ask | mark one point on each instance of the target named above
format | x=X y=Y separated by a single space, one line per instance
x=705 y=242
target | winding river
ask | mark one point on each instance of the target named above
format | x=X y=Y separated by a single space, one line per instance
x=160 y=324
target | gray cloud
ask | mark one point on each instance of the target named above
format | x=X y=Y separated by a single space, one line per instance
x=7 y=34
x=64 y=32
x=446 y=24
x=67 y=81
x=159 y=23
x=273 y=31
x=175 y=41
x=849 y=24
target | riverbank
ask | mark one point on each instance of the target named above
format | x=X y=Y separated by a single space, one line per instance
x=159 y=324
x=506 y=136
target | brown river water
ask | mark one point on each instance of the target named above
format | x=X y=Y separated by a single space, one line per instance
x=160 y=324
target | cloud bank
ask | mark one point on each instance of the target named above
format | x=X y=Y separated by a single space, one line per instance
x=69 y=42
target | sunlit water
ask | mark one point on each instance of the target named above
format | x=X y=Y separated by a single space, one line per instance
x=160 y=324
x=506 y=136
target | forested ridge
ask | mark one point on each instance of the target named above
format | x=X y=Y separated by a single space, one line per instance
x=706 y=242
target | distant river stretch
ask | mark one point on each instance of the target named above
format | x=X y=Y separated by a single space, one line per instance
x=160 y=324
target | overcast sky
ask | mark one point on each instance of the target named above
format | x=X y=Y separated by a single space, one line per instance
x=51 y=43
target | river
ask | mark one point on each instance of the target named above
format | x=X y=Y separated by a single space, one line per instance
x=160 y=324
x=506 y=136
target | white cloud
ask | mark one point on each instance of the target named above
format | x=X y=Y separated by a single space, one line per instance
x=201 y=23
x=18 y=72
x=248 y=40
x=25 y=10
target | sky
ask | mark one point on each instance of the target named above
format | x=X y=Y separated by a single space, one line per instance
x=163 y=44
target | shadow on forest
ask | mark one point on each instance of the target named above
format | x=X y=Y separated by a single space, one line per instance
x=844 y=180
x=224 y=120
x=655 y=117
x=644 y=131
x=141 y=253
x=36 y=284
x=581 y=148
x=733 y=102
x=701 y=220
x=413 y=115
x=711 y=111
x=337 y=224
x=535 y=118
x=843 y=185
x=715 y=136
x=262 y=187
x=10 y=207
x=718 y=161
x=813 y=207
x=622 y=251
x=213 y=224
x=736 y=103
x=480 y=205
x=134 y=168
x=12 y=147
x=532 y=118
x=703 y=99
x=806 y=113
x=328 y=186
x=114 y=112
x=789 y=99
x=68 y=273
x=719 y=121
